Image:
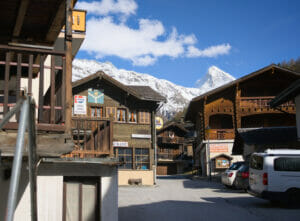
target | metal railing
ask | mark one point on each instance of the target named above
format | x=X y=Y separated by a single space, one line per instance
x=26 y=121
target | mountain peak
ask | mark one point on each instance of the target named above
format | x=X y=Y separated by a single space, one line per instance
x=177 y=96
x=214 y=78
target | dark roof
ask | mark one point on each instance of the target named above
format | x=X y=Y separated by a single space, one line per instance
x=173 y=124
x=140 y=92
x=270 y=137
x=147 y=93
x=288 y=94
x=237 y=81
x=222 y=155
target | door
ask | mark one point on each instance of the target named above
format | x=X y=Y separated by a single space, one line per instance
x=81 y=199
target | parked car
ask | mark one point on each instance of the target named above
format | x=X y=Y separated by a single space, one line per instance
x=242 y=178
x=228 y=177
x=275 y=175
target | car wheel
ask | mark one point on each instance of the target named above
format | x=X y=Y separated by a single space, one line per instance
x=293 y=196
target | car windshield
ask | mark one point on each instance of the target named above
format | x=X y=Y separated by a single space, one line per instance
x=235 y=166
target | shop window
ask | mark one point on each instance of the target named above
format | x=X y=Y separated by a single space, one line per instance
x=144 y=117
x=96 y=112
x=121 y=115
x=132 y=118
x=125 y=156
x=142 y=160
x=111 y=111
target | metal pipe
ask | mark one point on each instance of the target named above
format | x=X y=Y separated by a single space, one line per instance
x=9 y=114
x=17 y=164
x=32 y=158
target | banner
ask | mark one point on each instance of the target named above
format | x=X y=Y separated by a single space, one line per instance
x=80 y=104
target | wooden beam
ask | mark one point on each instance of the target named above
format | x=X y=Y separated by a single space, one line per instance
x=57 y=22
x=68 y=77
x=20 y=17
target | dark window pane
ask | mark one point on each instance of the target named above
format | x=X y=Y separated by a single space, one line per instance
x=287 y=164
x=256 y=162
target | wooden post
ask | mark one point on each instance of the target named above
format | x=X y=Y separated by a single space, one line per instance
x=68 y=76
x=52 y=92
x=41 y=89
x=30 y=74
x=6 y=82
x=111 y=148
x=18 y=81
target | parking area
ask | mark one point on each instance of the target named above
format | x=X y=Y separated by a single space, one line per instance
x=179 y=198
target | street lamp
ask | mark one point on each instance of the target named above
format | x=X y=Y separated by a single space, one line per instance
x=207 y=130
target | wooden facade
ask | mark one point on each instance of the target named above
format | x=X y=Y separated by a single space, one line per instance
x=127 y=114
x=243 y=103
x=170 y=148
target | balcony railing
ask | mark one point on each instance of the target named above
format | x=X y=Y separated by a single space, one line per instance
x=167 y=156
x=261 y=102
x=39 y=73
x=170 y=140
x=92 y=137
x=221 y=134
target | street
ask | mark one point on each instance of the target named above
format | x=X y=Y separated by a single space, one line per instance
x=184 y=199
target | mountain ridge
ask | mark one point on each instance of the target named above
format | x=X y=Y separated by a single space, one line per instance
x=177 y=96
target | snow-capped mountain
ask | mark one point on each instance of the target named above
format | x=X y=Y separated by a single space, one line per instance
x=177 y=96
x=214 y=78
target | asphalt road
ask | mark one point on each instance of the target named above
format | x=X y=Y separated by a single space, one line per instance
x=185 y=199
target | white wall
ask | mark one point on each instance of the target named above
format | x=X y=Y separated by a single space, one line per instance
x=109 y=196
x=297 y=101
x=49 y=199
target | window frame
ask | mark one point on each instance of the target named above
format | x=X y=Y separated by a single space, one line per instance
x=121 y=114
x=139 y=164
x=144 y=117
x=130 y=112
x=116 y=151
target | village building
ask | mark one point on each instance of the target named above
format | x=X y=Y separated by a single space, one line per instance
x=131 y=112
x=219 y=114
x=37 y=44
x=172 y=151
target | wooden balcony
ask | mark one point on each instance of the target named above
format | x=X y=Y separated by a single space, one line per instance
x=262 y=103
x=39 y=73
x=92 y=137
x=170 y=140
x=168 y=155
x=220 y=134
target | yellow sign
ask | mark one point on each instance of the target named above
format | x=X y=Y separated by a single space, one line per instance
x=159 y=123
x=78 y=20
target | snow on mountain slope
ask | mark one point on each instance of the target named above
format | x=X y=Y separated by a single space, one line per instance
x=177 y=96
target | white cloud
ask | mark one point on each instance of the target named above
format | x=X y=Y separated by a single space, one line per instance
x=212 y=51
x=142 y=45
x=106 y=7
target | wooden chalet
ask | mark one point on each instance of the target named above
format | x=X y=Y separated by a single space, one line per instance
x=38 y=40
x=171 y=152
x=125 y=112
x=243 y=103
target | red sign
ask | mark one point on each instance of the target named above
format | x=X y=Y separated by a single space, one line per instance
x=218 y=148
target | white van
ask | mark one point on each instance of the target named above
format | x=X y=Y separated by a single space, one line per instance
x=275 y=175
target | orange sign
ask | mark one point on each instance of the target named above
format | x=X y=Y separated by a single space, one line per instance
x=218 y=148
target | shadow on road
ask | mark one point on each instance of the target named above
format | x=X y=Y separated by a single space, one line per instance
x=210 y=209
x=173 y=177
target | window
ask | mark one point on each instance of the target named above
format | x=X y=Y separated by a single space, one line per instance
x=124 y=155
x=132 y=117
x=121 y=115
x=111 y=111
x=256 y=162
x=142 y=160
x=96 y=112
x=144 y=117
x=287 y=164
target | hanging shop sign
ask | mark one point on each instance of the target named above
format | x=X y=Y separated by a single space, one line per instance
x=141 y=136
x=159 y=123
x=95 y=96
x=120 y=144
x=80 y=104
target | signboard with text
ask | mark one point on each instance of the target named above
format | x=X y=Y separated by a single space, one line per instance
x=120 y=144
x=80 y=104
x=218 y=148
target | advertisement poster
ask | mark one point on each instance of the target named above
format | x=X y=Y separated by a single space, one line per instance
x=80 y=104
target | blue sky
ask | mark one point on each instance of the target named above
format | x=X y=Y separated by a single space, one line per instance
x=179 y=40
